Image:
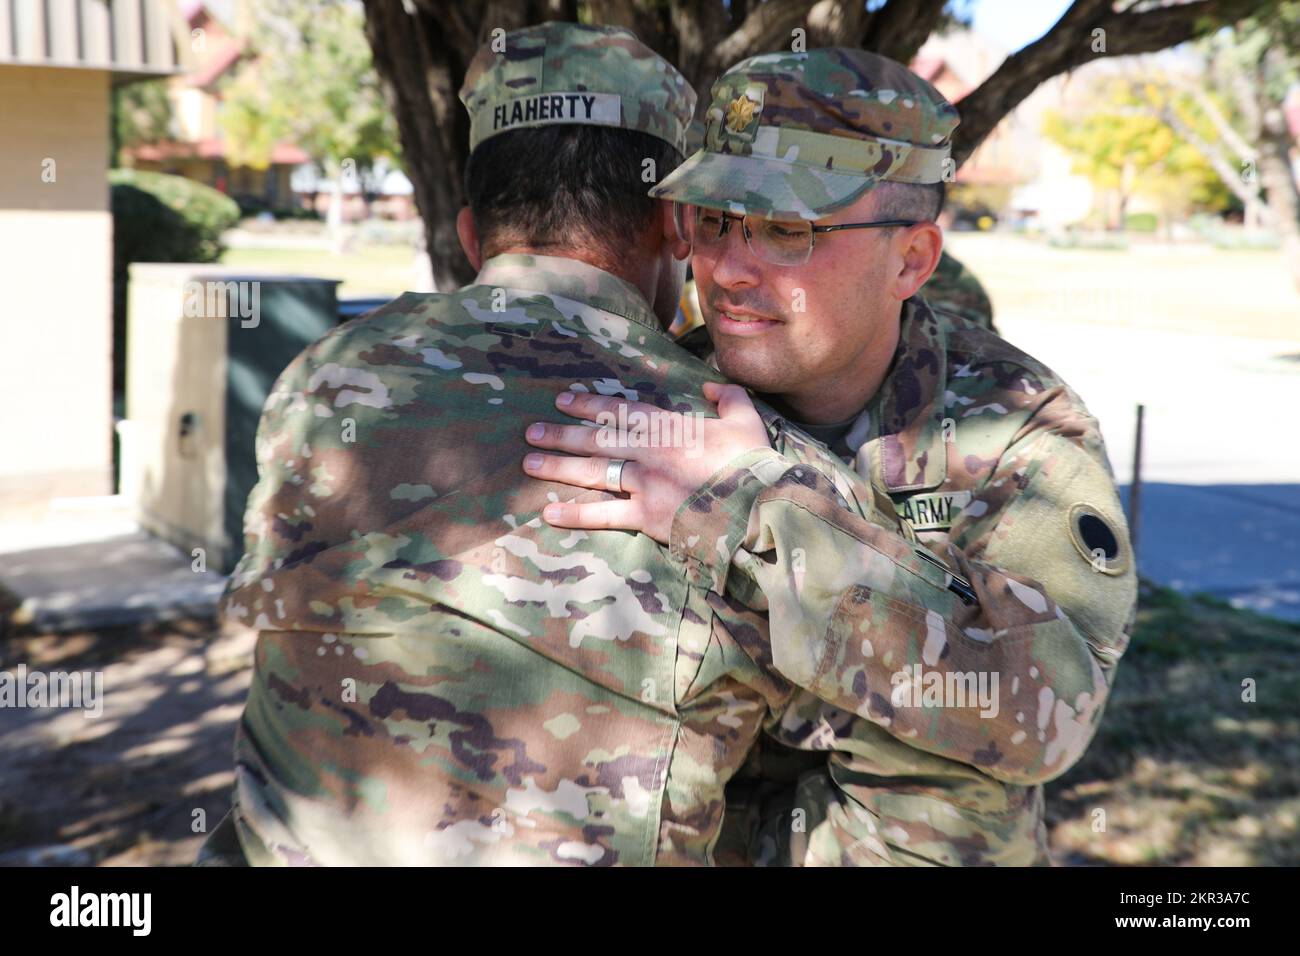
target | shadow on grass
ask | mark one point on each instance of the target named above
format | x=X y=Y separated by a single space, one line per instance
x=1186 y=768
x=124 y=787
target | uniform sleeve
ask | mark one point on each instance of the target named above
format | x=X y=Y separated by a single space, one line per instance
x=274 y=519
x=1014 y=684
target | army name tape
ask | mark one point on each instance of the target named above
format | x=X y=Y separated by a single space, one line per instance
x=544 y=109
x=933 y=512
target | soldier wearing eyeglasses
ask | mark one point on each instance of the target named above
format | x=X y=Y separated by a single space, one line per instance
x=954 y=659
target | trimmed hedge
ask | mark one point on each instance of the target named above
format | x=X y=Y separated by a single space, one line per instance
x=160 y=218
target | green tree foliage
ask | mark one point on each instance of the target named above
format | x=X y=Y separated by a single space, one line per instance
x=1122 y=145
x=141 y=114
x=1251 y=68
x=308 y=80
x=160 y=218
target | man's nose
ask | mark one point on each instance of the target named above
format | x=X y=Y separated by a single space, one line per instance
x=734 y=265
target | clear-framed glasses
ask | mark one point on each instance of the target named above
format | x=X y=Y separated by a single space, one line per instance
x=786 y=242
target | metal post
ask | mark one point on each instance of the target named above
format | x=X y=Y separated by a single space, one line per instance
x=1135 y=489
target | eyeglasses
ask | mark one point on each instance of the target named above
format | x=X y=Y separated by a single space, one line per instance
x=782 y=243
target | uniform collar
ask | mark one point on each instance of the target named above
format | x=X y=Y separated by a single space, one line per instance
x=907 y=411
x=569 y=279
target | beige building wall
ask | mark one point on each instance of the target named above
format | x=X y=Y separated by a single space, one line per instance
x=56 y=263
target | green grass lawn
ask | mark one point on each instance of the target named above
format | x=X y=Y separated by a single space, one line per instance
x=1185 y=288
x=387 y=270
x=1186 y=772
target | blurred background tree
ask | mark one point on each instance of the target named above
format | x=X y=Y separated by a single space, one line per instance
x=1123 y=146
x=1229 y=110
x=1251 y=67
x=309 y=79
x=141 y=115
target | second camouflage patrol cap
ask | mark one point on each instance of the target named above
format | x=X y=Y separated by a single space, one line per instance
x=558 y=73
x=799 y=135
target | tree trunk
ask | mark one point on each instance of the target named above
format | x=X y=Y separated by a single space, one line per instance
x=421 y=58
x=1254 y=216
x=334 y=219
x=1279 y=186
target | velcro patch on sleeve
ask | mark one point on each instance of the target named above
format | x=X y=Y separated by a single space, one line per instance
x=1098 y=540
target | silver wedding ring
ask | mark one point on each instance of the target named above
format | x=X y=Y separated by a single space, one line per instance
x=614 y=475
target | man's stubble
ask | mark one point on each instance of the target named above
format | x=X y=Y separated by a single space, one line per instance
x=809 y=351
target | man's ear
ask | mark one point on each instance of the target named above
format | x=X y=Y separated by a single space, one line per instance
x=468 y=235
x=678 y=246
x=923 y=245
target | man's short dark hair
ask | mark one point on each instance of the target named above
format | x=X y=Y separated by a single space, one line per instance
x=920 y=202
x=565 y=186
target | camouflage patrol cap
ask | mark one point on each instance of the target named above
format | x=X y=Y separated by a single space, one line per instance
x=799 y=135
x=560 y=73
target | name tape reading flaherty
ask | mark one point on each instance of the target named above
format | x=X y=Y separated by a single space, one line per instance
x=605 y=109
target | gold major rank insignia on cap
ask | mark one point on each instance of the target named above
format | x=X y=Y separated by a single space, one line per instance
x=740 y=113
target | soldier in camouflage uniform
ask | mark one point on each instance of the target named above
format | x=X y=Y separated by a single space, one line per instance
x=1006 y=564
x=440 y=677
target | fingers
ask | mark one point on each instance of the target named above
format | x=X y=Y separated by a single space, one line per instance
x=733 y=401
x=622 y=513
x=580 y=472
x=578 y=439
x=603 y=409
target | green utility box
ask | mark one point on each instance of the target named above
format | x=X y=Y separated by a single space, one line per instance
x=204 y=346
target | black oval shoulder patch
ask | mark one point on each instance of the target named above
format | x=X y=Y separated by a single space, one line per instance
x=1098 y=540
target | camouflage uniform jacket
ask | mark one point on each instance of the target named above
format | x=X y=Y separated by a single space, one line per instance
x=442 y=678
x=994 y=466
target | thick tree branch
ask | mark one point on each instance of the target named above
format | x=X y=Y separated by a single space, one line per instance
x=641 y=19
x=767 y=28
x=1220 y=122
x=696 y=26
x=898 y=29
x=457 y=24
x=422 y=68
x=1070 y=43
x=498 y=14
x=837 y=23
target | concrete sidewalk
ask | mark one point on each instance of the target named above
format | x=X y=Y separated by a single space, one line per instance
x=84 y=564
